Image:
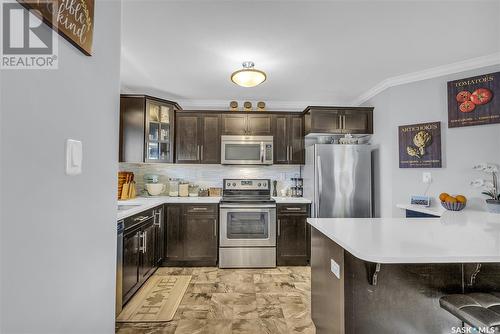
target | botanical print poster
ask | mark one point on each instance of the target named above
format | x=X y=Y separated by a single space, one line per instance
x=474 y=101
x=420 y=145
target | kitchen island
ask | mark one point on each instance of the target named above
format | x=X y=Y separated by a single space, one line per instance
x=386 y=275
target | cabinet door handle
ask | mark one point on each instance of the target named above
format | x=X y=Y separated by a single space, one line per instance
x=145 y=246
x=215 y=227
x=294 y=209
x=279 y=227
x=141 y=242
x=198 y=155
x=142 y=218
x=291 y=153
x=287 y=153
x=199 y=209
x=157 y=215
x=201 y=154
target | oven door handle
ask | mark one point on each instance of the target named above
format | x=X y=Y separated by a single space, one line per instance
x=248 y=206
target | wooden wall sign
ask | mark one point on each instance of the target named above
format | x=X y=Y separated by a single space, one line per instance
x=420 y=145
x=75 y=19
x=474 y=101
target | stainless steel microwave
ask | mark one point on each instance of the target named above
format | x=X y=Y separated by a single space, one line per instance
x=247 y=150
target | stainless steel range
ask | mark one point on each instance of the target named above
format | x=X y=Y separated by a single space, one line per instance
x=247 y=224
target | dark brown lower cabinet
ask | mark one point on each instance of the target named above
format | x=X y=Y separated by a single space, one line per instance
x=294 y=235
x=174 y=249
x=131 y=259
x=148 y=262
x=191 y=235
x=139 y=250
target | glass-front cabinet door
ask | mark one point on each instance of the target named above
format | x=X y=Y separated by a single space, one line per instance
x=159 y=132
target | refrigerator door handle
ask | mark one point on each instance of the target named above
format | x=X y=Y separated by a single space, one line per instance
x=320 y=186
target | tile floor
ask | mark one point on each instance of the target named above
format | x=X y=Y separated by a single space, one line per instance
x=238 y=301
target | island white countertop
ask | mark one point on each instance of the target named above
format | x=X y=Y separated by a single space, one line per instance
x=140 y=204
x=456 y=237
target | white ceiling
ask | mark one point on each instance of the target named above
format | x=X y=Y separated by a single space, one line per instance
x=314 y=52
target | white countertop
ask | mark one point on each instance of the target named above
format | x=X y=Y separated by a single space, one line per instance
x=457 y=237
x=140 y=204
x=292 y=200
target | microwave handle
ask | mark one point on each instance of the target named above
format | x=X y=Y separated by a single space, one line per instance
x=262 y=152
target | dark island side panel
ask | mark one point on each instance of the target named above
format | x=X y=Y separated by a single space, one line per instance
x=405 y=298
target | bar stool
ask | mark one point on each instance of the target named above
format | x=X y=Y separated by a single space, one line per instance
x=479 y=310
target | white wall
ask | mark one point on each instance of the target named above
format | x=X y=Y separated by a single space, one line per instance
x=419 y=102
x=59 y=232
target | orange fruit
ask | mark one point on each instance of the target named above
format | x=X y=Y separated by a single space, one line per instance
x=450 y=199
x=461 y=199
x=442 y=197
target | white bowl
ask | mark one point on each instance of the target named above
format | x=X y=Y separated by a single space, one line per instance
x=155 y=189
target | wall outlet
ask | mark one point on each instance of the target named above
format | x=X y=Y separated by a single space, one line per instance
x=335 y=268
x=426 y=177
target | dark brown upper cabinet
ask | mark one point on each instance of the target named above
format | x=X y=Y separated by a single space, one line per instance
x=197 y=138
x=338 y=120
x=288 y=139
x=241 y=124
x=146 y=129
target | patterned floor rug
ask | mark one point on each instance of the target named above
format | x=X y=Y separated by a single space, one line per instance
x=157 y=300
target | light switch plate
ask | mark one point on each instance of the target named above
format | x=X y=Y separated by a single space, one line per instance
x=335 y=268
x=74 y=157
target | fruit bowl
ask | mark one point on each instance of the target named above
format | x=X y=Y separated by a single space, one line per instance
x=457 y=206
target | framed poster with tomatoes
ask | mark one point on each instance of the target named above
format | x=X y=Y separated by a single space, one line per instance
x=420 y=145
x=474 y=101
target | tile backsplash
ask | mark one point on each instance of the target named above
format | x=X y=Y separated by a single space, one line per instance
x=211 y=175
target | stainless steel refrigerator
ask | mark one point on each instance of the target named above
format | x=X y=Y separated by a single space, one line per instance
x=338 y=179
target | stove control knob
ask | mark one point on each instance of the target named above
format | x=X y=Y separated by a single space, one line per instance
x=234 y=184
x=258 y=185
x=228 y=184
x=264 y=184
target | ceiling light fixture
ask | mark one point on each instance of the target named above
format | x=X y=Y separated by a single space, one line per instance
x=248 y=76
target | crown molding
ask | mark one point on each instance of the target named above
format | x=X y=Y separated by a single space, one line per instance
x=434 y=72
